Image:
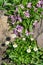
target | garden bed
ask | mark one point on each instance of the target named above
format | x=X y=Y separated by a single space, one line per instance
x=21 y=32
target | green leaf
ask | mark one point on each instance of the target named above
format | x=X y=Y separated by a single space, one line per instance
x=24 y=2
x=1 y=2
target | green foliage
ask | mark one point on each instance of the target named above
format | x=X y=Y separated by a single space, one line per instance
x=24 y=2
x=19 y=55
x=1 y=2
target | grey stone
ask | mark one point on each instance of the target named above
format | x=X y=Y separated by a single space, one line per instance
x=40 y=40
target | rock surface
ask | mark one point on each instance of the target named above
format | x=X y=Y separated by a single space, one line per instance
x=3 y=26
x=40 y=40
x=38 y=34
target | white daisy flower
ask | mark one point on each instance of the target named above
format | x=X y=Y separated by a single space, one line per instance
x=24 y=39
x=32 y=39
x=15 y=45
x=7 y=42
x=13 y=35
x=28 y=50
x=35 y=49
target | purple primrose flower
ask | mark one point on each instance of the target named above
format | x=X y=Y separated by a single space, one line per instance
x=29 y=5
x=19 y=28
x=26 y=13
x=15 y=31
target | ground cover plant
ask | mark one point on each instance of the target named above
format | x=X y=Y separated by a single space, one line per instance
x=23 y=15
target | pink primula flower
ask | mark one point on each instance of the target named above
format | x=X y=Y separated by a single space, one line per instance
x=29 y=5
x=19 y=28
x=19 y=18
x=26 y=13
x=39 y=3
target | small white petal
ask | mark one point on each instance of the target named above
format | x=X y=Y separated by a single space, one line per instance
x=7 y=42
x=32 y=39
x=15 y=45
x=13 y=35
x=36 y=21
x=35 y=49
x=24 y=39
x=28 y=50
x=21 y=6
